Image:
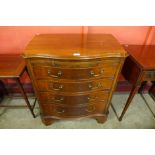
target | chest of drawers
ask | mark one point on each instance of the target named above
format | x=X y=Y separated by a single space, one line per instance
x=74 y=75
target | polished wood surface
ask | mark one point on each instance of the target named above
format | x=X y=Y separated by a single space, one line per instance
x=74 y=76
x=72 y=100
x=59 y=111
x=101 y=70
x=74 y=46
x=11 y=65
x=138 y=67
x=144 y=55
x=75 y=87
x=74 y=64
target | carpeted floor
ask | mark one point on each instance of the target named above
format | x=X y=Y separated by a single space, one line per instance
x=138 y=116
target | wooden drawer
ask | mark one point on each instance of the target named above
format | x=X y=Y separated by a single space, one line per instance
x=72 y=87
x=73 y=78
x=149 y=76
x=79 y=100
x=62 y=111
x=102 y=70
x=74 y=63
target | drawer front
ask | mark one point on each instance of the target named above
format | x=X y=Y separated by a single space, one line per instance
x=62 y=111
x=75 y=74
x=74 y=64
x=149 y=76
x=79 y=100
x=47 y=85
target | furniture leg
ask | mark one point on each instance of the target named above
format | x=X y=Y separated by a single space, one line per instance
x=4 y=88
x=114 y=111
x=25 y=97
x=147 y=105
x=142 y=87
x=132 y=94
x=48 y=121
x=100 y=119
x=152 y=91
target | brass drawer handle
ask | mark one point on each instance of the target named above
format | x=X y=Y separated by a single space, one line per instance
x=99 y=85
x=90 y=109
x=91 y=87
x=92 y=73
x=59 y=100
x=59 y=88
x=55 y=76
x=92 y=98
x=60 y=111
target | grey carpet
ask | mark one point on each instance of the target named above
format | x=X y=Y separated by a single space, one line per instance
x=138 y=116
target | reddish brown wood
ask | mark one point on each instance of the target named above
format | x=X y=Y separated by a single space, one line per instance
x=75 y=64
x=132 y=94
x=152 y=91
x=72 y=46
x=74 y=87
x=67 y=111
x=46 y=71
x=72 y=100
x=144 y=55
x=138 y=67
x=66 y=70
x=13 y=66
x=100 y=119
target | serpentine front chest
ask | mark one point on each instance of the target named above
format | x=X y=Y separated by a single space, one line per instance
x=74 y=75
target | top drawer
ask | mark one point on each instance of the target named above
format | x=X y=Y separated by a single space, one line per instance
x=72 y=63
x=105 y=68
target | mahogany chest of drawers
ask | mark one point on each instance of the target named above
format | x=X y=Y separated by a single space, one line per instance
x=74 y=75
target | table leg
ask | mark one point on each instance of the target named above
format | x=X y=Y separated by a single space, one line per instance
x=142 y=87
x=25 y=96
x=4 y=88
x=147 y=104
x=132 y=94
x=152 y=91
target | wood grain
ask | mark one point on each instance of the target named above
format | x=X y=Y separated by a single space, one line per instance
x=72 y=77
x=139 y=67
x=11 y=65
x=72 y=46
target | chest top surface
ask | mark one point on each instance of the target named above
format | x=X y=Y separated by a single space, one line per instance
x=143 y=54
x=74 y=46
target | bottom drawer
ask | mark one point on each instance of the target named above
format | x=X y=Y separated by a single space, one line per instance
x=49 y=98
x=61 y=111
